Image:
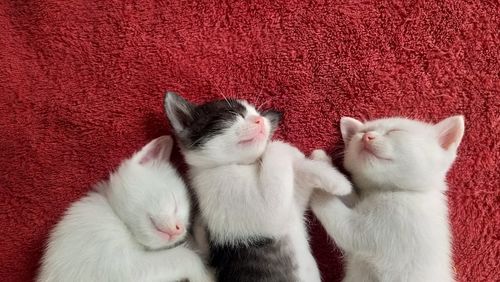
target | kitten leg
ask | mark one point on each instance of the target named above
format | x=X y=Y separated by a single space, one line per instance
x=174 y=265
x=349 y=230
x=322 y=175
x=321 y=155
x=277 y=176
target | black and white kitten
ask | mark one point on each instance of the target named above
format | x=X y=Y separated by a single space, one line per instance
x=252 y=192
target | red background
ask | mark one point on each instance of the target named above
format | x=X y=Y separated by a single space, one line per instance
x=82 y=85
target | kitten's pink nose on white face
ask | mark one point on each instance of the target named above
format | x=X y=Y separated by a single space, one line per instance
x=368 y=137
x=177 y=230
x=174 y=231
x=171 y=231
x=257 y=120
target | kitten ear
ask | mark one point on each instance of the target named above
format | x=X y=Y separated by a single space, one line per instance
x=348 y=127
x=179 y=111
x=274 y=118
x=158 y=149
x=450 y=131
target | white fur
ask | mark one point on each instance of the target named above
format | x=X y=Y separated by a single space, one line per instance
x=316 y=172
x=248 y=190
x=108 y=235
x=399 y=230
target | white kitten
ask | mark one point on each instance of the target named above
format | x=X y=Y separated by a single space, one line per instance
x=398 y=231
x=245 y=189
x=131 y=229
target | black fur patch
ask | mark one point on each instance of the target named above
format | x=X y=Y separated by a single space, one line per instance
x=261 y=259
x=274 y=118
x=198 y=124
x=211 y=119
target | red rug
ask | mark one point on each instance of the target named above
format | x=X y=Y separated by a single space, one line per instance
x=82 y=85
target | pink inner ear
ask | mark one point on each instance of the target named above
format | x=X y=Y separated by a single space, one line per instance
x=349 y=127
x=159 y=148
x=450 y=131
x=449 y=137
x=151 y=154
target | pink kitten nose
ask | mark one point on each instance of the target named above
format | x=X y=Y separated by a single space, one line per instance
x=257 y=120
x=368 y=137
x=170 y=231
x=177 y=230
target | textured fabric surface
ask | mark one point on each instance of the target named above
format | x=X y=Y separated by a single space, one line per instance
x=82 y=84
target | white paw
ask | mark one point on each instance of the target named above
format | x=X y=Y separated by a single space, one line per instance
x=344 y=187
x=338 y=184
x=320 y=155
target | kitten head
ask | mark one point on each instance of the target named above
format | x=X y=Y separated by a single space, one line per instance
x=220 y=132
x=149 y=196
x=398 y=153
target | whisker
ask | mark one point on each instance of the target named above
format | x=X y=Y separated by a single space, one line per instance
x=256 y=102
x=225 y=98
x=219 y=91
x=259 y=95
x=337 y=154
x=267 y=101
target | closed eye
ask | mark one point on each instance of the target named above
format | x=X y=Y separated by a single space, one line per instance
x=393 y=130
x=238 y=114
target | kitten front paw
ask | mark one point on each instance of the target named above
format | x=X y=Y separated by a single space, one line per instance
x=321 y=155
x=336 y=183
x=344 y=186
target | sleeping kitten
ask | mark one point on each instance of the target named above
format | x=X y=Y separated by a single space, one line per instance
x=132 y=228
x=245 y=189
x=398 y=231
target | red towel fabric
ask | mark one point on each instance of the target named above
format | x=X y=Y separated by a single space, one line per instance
x=82 y=85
